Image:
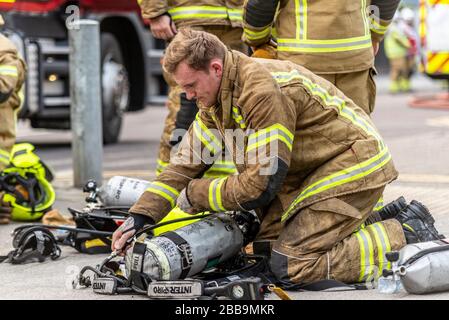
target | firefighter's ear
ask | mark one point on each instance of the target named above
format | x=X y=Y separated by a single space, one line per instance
x=216 y=66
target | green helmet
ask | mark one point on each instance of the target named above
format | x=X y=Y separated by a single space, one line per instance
x=26 y=184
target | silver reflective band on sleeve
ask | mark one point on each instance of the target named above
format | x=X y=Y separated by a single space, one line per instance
x=265 y=136
x=215 y=200
x=235 y=14
x=198 y=12
x=165 y=191
x=324 y=45
x=256 y=35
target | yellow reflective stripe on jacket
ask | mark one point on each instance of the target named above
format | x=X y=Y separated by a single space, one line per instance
x=383 y=244
x=379 y=205
x=237 y=116
x=206 y=136
x=302 y=44
x=256 y=35
x=301 y=19
x=349 y=44
x=377 y=27
x=4 y=156
x=235 y=14
x=224 y=166
x=198 y=12
x=165 y=191
x=344 y=111
x=366 y=254
x=160 y=166
x=215 y=195
x=264 y=136
x=6 y=70
x=341 y=177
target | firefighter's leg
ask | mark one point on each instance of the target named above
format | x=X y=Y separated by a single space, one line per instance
x=395 y=70
x=231 y=37
x=358 y=86
x=7 y=134
x=165 y=147
x=404 y=83
x=270 y=227
x=325 y=241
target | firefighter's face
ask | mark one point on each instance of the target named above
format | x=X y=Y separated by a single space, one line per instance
x=199 y=84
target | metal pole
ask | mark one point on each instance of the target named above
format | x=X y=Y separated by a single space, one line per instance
x=85 y=93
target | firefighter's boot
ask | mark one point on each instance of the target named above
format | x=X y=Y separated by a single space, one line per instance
x=418 y=223
x=392 y=209
x=388 y=211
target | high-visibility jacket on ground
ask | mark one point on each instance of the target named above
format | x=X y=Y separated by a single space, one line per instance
x=434 y=35
x=329 y=36
x=195 y=12
x=292 y=135
x=12 y=76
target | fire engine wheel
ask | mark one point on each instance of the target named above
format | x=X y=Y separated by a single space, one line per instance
x=115 y=87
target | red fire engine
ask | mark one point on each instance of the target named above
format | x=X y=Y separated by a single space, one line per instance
x=131 y=72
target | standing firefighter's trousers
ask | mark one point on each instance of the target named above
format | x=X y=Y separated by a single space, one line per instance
x=360 y=86
x=326 y=241
x=8 y=118
x=231 y=37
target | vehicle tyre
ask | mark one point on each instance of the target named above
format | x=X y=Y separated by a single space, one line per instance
x=115 y=87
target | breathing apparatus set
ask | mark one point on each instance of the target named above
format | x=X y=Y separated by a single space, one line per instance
x=194 y=257
x=202 y=260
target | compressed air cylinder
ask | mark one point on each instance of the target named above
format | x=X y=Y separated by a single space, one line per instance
x=424 y=267
x=203 y=244
x=122 y=191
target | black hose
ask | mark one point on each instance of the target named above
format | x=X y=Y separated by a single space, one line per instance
x=93 y=232
x=155 y=226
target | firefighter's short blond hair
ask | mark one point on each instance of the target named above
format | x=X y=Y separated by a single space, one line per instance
x=196 y=48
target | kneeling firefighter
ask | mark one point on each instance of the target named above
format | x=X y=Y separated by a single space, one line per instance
x=311 y=164
x=25 y=186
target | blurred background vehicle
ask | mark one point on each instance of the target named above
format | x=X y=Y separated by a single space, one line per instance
x=131 y=72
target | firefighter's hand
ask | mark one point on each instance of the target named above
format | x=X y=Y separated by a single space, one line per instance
x=5 y=211
x=265 y=51
x=375 y=46
x=183 y=202
x=163 y=27
x=121 y=238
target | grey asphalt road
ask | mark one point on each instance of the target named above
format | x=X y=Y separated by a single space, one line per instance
x=417 y=138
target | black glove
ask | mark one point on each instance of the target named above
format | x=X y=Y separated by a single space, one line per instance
x=184 y=118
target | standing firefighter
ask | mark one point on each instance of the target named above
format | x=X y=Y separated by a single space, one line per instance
x=12 y=76
x=310 y=162
x=335 y=39
x=222 y=18
x=400 y=49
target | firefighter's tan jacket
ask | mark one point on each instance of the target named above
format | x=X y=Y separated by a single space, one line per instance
x=12 y=76
x=329 y=36
x=195 y=12
x=320 y=145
